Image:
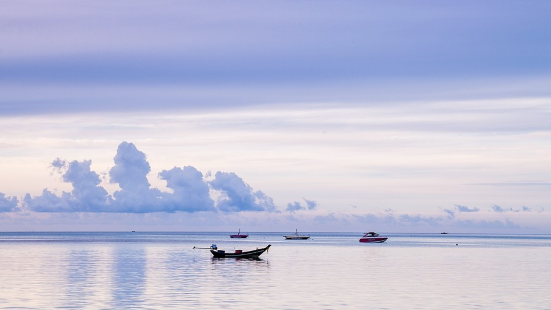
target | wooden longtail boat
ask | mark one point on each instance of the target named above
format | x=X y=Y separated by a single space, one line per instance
x=238 y=253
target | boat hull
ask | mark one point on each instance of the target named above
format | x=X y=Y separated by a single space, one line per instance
x=297 y=237
x=373 y=240
x=248 y=254
x=239 y=236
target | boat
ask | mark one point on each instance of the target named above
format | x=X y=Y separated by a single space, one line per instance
x=373 y=237
x=238 y=253
x=239 y=235
x=296 y=236
x=443 y=233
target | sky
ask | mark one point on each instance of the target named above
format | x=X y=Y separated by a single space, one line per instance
x=353 y=116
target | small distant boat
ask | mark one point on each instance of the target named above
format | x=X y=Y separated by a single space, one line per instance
x=238 y=253
x=239 y=235
x=373 y=237
x=296 y=236
x=443 y=233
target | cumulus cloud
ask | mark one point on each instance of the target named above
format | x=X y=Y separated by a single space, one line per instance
x=294 y=206
x=7 y=204
x=297 y=206
x=130 y=173
x=131 y=168
x=311 y=204
x=48 y=202
x=236 y=195
x=190 y=192
x=86 y=196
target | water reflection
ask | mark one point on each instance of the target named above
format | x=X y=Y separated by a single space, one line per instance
x=81 y=274
x=129 y=276
x=217 y=259
x=173 y=277
x=408 y=272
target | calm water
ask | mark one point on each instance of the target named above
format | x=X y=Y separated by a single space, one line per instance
x=330 y=271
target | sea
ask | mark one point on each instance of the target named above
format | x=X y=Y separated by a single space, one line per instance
x=171 y=270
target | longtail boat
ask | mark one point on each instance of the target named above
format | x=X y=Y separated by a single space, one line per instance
x=238 y=253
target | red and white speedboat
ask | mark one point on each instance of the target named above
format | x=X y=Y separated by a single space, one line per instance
x=373 y=237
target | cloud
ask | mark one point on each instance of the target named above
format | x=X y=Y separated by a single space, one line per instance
x=7 y=204
x=374 y=219
x=48 y=202
x=130 y=173
x=328 y=219
x=451 y=213
x=282 y=42
x=238 y=195
x=461 y=208
x=131 y=168
x=190 y=192
x=297 y=206
x=419 y=219
x=312 y=205
x=499 y=209
x=294 y=206
x=58 y=164
x=487 y=224
x=86 y=195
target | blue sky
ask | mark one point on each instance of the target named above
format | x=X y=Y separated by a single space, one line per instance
x=318 y=115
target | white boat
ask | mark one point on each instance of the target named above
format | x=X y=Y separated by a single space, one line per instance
x=373 y=237
x=296 y=236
